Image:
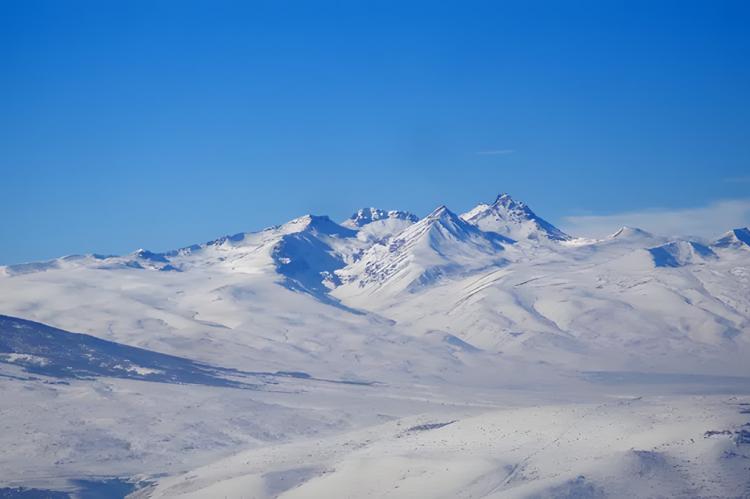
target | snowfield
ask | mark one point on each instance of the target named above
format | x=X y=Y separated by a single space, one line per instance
x=483 y=355
x=621 y=448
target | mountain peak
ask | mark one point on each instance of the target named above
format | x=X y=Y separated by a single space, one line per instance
x=504 y=199
x=435 y=247
x=627 y=231
x=317 y=223
x=441 y=211
x=736 y=238
x=513 y=219
x=365 y=216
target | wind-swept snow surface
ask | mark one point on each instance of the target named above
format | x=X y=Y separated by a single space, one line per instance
x=631 y=447
x=482 y=355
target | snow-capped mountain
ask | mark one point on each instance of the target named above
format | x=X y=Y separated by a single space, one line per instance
x=365 y=216
x=310 y=255
x=376 y=225
x=440 y=244
x=304 y=251
x=513 y=219
x=734 y=239
x=312 y=346
x=387 y=262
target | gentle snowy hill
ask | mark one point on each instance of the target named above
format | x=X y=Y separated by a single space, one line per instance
x=622 y=243
x=41 y=349
x=140 y=259
x=631 y=234
x=679 y=253
x=632 y=447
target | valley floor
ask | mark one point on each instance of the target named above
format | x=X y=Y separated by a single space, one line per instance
x=596 y=436
x=690 y=446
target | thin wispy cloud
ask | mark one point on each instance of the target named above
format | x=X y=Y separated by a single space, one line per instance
x=495 y=152
x=706 y=221
x=738 y=180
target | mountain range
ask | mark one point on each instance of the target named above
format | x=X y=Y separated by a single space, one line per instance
x=314 y=328
x=498 y=277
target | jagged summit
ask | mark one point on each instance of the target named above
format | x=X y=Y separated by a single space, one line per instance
x=365 y=216
x=504 y=199
x=376 y=225
x=513 y=219
x=737 y=238
x=438 y=245
x=395 y=248
x=443 y=223
x=440 y=212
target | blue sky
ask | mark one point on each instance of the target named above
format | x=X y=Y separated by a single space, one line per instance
x=160 y=124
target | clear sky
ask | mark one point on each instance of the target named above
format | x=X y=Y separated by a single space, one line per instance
x=160 y=124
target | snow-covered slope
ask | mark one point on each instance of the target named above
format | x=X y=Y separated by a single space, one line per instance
x=679 y=253
x=360 y=337
x=40 y=349
x=620 y=448
x=631 y=233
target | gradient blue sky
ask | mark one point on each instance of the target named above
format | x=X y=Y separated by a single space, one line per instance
x=161 y=124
